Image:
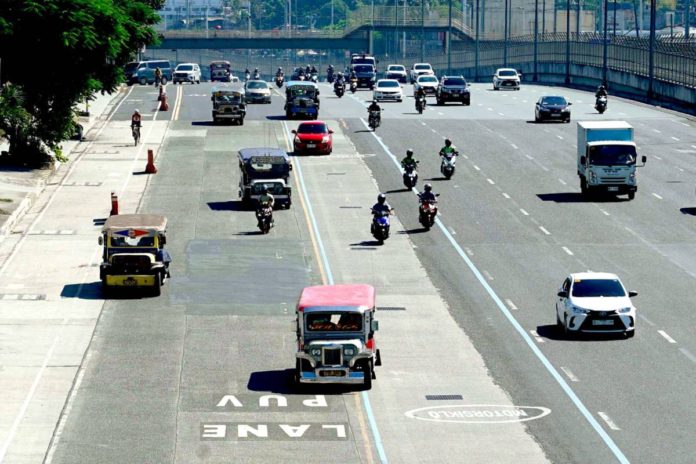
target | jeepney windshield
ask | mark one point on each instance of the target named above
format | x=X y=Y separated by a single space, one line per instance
x=334 y=322
x=303 y=91
x=124 y=241
x=613 y=155
x=224 y=97
x=217 y=66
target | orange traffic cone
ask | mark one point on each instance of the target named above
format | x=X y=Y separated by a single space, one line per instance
x=164 y=105
x=114 y=204
x=150 y=168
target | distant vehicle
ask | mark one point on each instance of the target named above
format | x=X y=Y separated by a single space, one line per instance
x=606 y=160
x=366 y=74
x=313 y=137
x=228 y=103
x=302 y=99
x=265 y=168
x=187 y=72
x=257 y=91
x=397 y=71
x=220 y=71
x=595 y=302
x=429 y=84
x=420 y=69
x=506 y=77
x=453 y=88
x=362 y=58
x=388 y=89
x=552 y=108
x=143 y=72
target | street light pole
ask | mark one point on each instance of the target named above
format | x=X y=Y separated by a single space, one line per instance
x=651 y=58
x=422 y=37
x=505 y=38
x=476 y=52
x=567 y=51
x=536 y=38
x=605 y=45
x=449 y=39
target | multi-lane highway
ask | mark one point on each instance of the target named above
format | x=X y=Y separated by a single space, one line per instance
x=466 y=310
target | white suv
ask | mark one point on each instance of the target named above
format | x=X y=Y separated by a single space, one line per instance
x=421 y=69
x=595 y=302
x=187 y=72
x=506 y=77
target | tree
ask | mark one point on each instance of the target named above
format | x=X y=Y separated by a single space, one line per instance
x=57 y=52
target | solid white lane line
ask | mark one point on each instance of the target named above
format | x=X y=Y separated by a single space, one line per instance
x=666 y=336
x=506 y=195
x=608 y=420
x=562 y=181
x=567 y=251
x=511 y=304
x=688 y=354
x=675 y=139
x=657 y=157
x=544 y=230
x=490 y=181
x=536 y=336
x=570 y=374
x=683 y=123
x=646 y=320
x=514 y=146
x=524 y=212
x=657 y=196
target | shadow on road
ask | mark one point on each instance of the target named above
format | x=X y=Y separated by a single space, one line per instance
x=282 y=382
x=227 y=206
x=366 y=243
x=203 y=123
x=577 y=197
x=276 y=117
x=363 y=130
x=398 y=190
x=553 y=332
x=419 y=230
x=86 y=291
x=691 y=211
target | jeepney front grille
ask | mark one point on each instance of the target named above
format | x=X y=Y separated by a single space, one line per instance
x=331 y=356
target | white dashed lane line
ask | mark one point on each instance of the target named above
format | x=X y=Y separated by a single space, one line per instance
x=506 y=195
x=524 y=212
x=536 y=336
x=606 y=213
x=569 y=374
x=608 y=420
x=562 y=181
x=511 y=304
x=490 y=109
x=657 y=131
x=560 y=137
x=514 y=146
x=657 y=157
x=488 y=275
x=646 y=320
x=544 y=230
x=477 y=168
x=490 y=181
x=657 y=196
x=666 y=336
x=501 y=114
x=567 y=251
x=673 y=137
x=693 y=146
x=688 y=354
x=529 y=157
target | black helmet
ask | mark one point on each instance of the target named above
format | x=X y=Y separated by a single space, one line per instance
x=409 y=153
x=448 y=142
x=427 y=187
x=381 y=198
x=601 y=87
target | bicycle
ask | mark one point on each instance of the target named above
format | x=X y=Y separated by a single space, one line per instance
x=136 y=134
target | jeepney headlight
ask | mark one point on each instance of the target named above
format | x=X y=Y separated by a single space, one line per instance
x=349 y=351
x=315 y=351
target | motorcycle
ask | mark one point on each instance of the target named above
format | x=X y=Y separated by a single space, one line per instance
x=301 y=77
x=426 y=213
x=257 y=76
x=420 y=104
x=339 y=90
x=374 y=120
x=410 y=176
x=314 y=77
x=601 y=104
x=353 y=85
x=279 y=80
x=264 y=216
x=247 y=76
x=330 y=77
x=380 y=226
x=447 y=164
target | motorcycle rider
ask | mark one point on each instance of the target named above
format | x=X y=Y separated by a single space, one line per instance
x=427 y=194
x=313 y=70
x=448 y=149
x=266 y=199
x=256 y=73
x=279 y=72
x=381 y=206
x=376 y=108
x=409 y=160
x=136 y=119
x=330 y=71
x=246 y=74
x=601 y=92
x=158 y=75
x=420 y=94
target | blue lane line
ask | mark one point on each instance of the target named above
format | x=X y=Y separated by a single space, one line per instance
x=535 y=349
x=330 y=281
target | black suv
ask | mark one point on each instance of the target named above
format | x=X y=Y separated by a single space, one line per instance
x=366 y=75
x=453 y=88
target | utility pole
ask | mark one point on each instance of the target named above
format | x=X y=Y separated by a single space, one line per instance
x=687 y=20
x=605 y=45
x=449 y=38
x=332 y=16
x=543 y=17
x=536 y=38
x=577 y=21
x=614 y=18
x=476 y=52
x=505 y=34
x=651 y=58
x=422 y=37
x=567 y=51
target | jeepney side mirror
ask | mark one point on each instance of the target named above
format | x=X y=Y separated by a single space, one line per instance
x=632 y=293
x=644 y=159
x=330 y=131
x=100 y=240
x=374 y=326
x=583 y=159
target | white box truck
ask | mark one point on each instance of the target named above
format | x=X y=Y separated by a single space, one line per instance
x=607 y=158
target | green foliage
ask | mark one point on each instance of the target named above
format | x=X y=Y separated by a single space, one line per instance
x=56 y=52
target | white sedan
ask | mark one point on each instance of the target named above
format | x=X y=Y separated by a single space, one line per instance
x=595 y=302
x=387 y=89
x=429 y=84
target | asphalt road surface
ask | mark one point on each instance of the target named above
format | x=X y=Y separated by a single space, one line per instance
x=466 y=310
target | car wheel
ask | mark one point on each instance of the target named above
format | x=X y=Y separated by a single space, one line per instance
x=631 y=195
x=157 y=289
x=164 y=80
x=536 y=119
x=367 y=372
x=583 y=186
x=143 y=81
x=567 y=121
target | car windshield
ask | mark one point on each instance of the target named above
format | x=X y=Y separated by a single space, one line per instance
x=122 y=241
x=274 y=188
x=455 y=81
x=598 y=287
x=363 y=60
x=363 y=68
x=312 y=129
x=388 y=84
x=257 y=85
x=184 y=67
x=397 y=68
x=422 y=67
x=613 y=155
x=302 y=91
x=507 y=73
x=219 y=65
x=553 y=101
x=334 y=322
x=427 y=79
x=130 y=67
x=227 y=98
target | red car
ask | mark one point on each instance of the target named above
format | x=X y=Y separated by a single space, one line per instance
x=313 y=137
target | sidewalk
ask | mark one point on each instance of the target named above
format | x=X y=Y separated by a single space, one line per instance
x=19 y=187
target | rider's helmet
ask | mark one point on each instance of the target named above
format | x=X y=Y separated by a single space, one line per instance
x=381 y=198
x=427 y=187
x=409 y=153
x=137 y=111
x=340 y=74
x=448 y=142
x=280 y=68
x=601 y=87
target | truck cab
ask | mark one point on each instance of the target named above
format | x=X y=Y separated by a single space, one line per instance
x=607 y=158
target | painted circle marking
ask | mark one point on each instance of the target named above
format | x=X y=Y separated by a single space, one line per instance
x=479 y=413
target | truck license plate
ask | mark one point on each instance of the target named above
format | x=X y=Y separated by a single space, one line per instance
x=613 y=189
x=602 y=322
